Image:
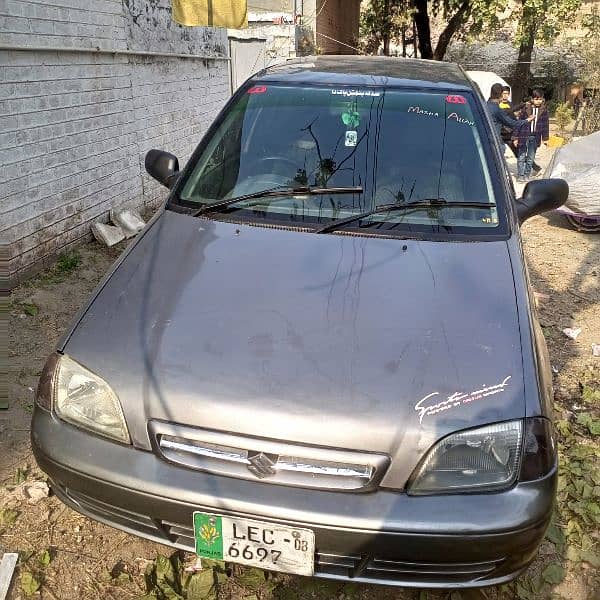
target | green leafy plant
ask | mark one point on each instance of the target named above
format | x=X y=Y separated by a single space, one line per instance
x=554 y=573
x=20 y=476
x=30 y=309
x=166 y=579
x=590 y=395
x=29 y=584
x=587 y=420
x=7 y=517
x=45 y=558
x=564 y=115
x=67 y=262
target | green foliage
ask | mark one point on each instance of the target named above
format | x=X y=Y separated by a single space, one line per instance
x=591 y=557
x=577 y=517
x=590 y=395
x=30 y=309
x=45 y=558
x=25 y=555
x=546 y=19
x=591 y=22
x=7 y=517
x=67 y=262
x=166 y=579
x=554 y=573
x=587 y=420
x=286 y=593
x=479 y=17
x=29 y=584
x=162 y=578
x=201 y=586
x=483 y=18
x=121 y=578
x=20 y=476
x=578 y=491
x=375 y=23
x=251 y=578
x=564 y=115
x=65 y=266
x=557 y=536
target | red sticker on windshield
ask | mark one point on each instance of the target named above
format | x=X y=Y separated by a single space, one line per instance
x=456 y=100
x=258 y=89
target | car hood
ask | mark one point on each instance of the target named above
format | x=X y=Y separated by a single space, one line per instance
x=350 y=342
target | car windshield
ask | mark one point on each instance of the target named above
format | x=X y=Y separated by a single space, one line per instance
x=398 y=146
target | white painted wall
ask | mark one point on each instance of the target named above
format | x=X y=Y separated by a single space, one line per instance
x=75 y=125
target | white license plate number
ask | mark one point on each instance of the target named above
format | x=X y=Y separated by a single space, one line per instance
x=255 y=543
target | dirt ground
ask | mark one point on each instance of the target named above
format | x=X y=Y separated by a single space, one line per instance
x=69 y=556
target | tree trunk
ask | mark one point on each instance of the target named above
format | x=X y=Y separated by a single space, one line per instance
x=423 y=29
x=386 y=31
x=522 y=72
x=459 y=18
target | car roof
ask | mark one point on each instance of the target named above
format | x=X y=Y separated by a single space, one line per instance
x=368 y=71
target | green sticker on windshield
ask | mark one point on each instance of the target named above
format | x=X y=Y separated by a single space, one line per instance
x=351 y=118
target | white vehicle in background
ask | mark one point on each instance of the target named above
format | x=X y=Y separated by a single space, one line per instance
x=579 y=163
x=485 y=80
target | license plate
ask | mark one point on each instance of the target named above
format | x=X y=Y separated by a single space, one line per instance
x=255 y=543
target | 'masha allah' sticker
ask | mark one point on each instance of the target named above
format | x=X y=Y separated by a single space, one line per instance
x=349 y=93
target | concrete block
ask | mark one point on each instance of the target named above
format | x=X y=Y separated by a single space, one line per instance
x=108 y=234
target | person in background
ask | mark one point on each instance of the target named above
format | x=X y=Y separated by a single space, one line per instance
x=504 y=103
x=499 y=117
x=576 y=105
x=506 y=132
x=528 y=138
x=506 y=106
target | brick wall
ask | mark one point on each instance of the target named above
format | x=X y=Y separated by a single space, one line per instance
x=75 y=125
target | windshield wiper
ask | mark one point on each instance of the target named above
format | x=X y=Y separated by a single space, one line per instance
x=429 y=203
x=283 y=190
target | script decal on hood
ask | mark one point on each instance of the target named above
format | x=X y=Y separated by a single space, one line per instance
x=425 y=406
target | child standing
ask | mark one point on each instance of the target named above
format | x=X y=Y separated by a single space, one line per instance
x=527 y=138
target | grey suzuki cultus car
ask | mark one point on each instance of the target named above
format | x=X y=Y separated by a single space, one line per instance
x=321 y=356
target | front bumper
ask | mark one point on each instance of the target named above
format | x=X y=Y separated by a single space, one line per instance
x=386 y=537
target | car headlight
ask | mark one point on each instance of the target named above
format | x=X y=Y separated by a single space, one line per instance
x=82 y=398
x=475 y=460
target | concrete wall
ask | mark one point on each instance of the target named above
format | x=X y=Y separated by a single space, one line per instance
x=273 y=22
x=271 y=5
x=279 y=41
x=75 y=125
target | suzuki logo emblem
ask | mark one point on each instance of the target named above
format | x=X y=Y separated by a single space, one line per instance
x=262 y=464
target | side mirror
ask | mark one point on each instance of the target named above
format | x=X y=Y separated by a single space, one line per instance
x=163 y=166
x=541 y=196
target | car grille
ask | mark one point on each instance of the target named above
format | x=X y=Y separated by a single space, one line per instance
x=363 y=566
x=267 y=461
